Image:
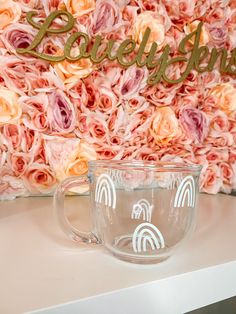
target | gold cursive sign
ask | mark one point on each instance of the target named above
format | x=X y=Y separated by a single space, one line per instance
x=195 y=61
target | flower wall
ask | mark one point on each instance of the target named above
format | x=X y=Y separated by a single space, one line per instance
x=55 y=117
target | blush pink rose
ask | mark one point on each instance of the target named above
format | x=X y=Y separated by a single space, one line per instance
x=210 y=179
x=40 y=178
x=11 y=187
x=194 y=122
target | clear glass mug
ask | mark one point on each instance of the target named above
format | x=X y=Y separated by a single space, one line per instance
x=141 y=211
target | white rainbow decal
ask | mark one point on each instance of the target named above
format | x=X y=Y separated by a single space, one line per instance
x=105 y=191
x=145 y=234
x=142 y=207
x=185 y=193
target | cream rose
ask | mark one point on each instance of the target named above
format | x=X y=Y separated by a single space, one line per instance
x=204 y=37
x=10 y=110
x=71 y=72
x=164 y=126
x=226 y=97
x=10 y=12
x=79 y=7
x=155 y=22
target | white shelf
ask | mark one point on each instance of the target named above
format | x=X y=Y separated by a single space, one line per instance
x=41 y=270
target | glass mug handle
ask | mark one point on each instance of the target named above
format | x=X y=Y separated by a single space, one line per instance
x=59 y=209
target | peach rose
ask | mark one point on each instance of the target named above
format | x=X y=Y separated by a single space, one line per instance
x=10 y=12
x=225 y=95
x=79 y=7
x=155 y=22
x=10 y=110
x=164 y=126
x=40 y=178
x=71 y=72
x=204 y=37
x=78 y=161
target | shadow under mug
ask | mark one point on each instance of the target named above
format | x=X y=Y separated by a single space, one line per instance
x=141 y=211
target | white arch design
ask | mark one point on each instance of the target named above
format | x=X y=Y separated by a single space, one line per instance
x=185 y=193
x=105 y=191
x=146 y=233
x=142 y=207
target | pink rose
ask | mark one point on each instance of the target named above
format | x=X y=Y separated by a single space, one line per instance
x=34 y=112
x=107 y=152
x=178 y=9
x=194 y=122
x=218 y=34
x=61 y=113
x=210 y=179
x=146 y=153
x=107 y=101
x=135 y=103
x=208 y=79
x=116 y=121
x=12 y=134
x=28 y=5
x=140 y=121
x=106 y=17
x=227 y=174
x=18 y=36
x=19 y=162
x=40 y=178
x=98 y=130
x=18 y=75
x=30 y=140
x=219 y=122
x=160 y=94
x=216 y=155
x=220 y=139
x=132 y=81
x=232 y=154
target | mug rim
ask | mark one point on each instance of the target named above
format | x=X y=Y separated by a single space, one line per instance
x=145 y=164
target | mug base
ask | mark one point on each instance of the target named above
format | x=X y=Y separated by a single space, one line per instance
x=140 y=260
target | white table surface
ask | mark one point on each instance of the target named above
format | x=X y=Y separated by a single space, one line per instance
x=43 y=271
